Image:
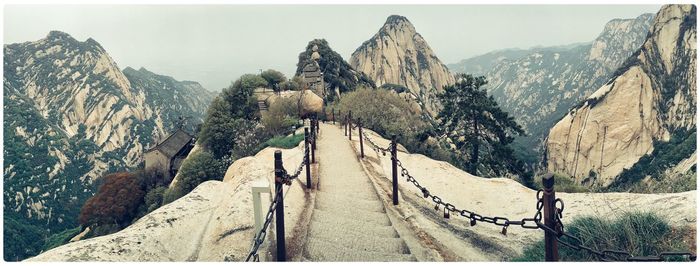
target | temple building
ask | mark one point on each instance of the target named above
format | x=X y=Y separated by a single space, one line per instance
x=312 y=75
x=166 y=157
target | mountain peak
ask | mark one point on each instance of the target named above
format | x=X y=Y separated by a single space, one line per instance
x=399 y=55
x=58 y=35
x=396 y=19
x=397 y=22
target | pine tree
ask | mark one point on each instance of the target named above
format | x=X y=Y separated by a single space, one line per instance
x=480 y=130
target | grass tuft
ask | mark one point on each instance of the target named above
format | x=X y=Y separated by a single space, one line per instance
x=640 y=233
x=287 y=142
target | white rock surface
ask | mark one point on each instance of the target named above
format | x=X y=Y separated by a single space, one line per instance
x=310 y=102
x=644 y=103
x=211 y=223
x=499 y=197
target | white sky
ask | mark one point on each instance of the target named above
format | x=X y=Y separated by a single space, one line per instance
x=215 y=44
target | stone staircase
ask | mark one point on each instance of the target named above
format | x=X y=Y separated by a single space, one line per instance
x=262 y=106
x=349 y=222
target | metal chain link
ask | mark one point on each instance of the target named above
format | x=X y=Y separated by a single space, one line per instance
x=260 y=236
x=529 y=223
x=374 y=145
x=473 y=217
x=286 y=179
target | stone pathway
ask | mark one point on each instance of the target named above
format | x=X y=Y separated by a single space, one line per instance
x=349 y=222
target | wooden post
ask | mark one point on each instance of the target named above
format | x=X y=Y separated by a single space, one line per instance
x=350 y=125
x=362 y=148
x=333 y=115
x=318 y=128
x=345 y=123
x=306 y=157
x=279 y=210
x=394 y=173
x=551 y=249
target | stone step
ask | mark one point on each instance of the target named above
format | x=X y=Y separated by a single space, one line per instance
x=346 y=183
x=321 y=250
x=327 y=203
x=348 y=194
x=322 y=228
x=361 y=217
x=366 y=243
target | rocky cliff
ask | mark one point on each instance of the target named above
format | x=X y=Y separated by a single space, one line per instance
x=650 y=97
x=71 y=115
x=540 y=87
x=397 y=54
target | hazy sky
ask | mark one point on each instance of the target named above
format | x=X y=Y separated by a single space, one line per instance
x=214 y=44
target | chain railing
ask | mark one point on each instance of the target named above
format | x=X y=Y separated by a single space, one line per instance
x=260 y=235
x=283 y=177
x=548 y=207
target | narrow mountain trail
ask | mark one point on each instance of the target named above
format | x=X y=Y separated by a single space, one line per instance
x=349 y=221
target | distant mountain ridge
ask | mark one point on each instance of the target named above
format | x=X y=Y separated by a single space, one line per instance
x=540 y=85
x=72 y=115
x=480 y=64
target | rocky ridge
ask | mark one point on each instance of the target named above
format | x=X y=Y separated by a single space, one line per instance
x=651 y=96
x=71 y=115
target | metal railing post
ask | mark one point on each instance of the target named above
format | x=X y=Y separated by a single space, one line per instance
x=311 y=125
x=350 y=125
x=394 y=173
x=279 y=210
x=551 y=249
x=313 y=146
x=306 y=157
x=362 y=148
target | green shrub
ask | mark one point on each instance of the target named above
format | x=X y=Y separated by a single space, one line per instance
x=153 y=199
x=60 y=238
x=383 y=111
x=665 y=155
x=387 y=113
x=20 y=239
x=640 y=233
x=282 y=115
x=669 y=183
x=287 y=142
x=198 y=168
x=232 y=116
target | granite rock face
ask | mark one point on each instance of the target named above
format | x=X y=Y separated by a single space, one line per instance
x=538 y=86
x=399 y=55
x=72 y=115
x=652 y=95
